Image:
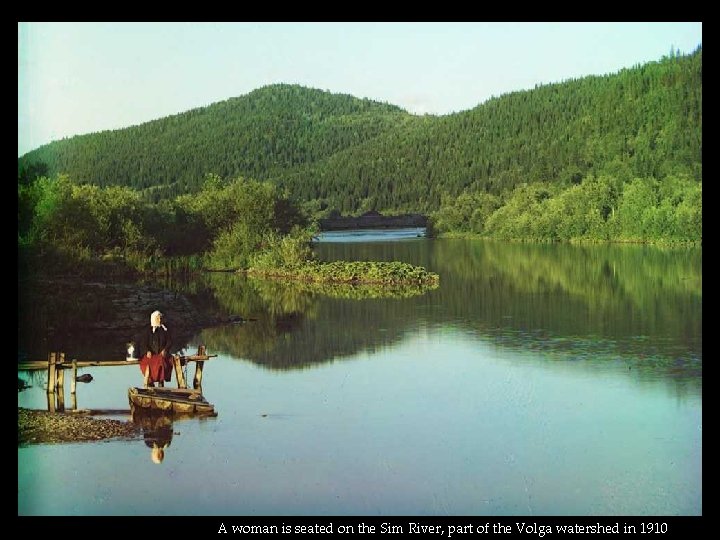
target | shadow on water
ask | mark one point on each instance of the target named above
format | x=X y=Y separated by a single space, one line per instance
x=93 y=320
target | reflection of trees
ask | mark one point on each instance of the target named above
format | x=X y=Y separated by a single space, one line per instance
x=300 y=324
x=236 y=294
x=85 y=321
x=635 y=302
x=616 y=292
x=638 y=305
x=641 y=305
x=93 y=320
x=594 y=273
x=610 y=290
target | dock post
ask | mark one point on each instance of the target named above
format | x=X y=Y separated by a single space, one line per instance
x=51 y=374
x=178 y=372
x=50 y=402
x=197 y=380
x=60 y=399
x=60 y=384
x=73 y=386
x=73 y=382
x=60 y=372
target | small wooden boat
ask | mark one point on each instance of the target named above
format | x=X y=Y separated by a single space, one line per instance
x=180 y=400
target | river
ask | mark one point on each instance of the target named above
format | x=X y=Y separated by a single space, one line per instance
x=535 y=380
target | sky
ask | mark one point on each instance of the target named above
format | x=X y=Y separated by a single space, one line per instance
x=76 y=78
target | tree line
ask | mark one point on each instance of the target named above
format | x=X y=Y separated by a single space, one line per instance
x=227 y=224
x=621 y=154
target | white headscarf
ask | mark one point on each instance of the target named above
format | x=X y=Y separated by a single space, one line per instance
x=153 y=316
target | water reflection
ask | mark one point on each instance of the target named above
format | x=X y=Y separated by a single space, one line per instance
x=372 y=235
x=157 y=430
x=573 y=300
x=638 y=306
x=97 y=320
x=578 y=368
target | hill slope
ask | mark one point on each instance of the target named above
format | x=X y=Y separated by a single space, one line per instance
x=265 y=131
x=355 y=155
x=645 y=121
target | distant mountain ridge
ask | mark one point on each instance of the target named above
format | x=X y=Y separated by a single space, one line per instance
x=354 y=155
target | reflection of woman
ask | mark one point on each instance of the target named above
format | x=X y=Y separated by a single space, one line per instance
x=157 y=432
x=155 y=362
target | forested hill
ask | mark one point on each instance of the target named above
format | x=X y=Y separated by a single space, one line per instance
x=356 y=155
x=641 y=122
x=268 y=130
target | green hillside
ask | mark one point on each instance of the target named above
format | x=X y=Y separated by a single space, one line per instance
x=641 y=122
x=543 y=149
x=268 y=130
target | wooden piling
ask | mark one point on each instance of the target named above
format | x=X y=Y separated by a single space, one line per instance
x=51 y=401
x=60 y=399
x=73 y=382
x=51 y=374
x=60 y=372
x=56 y=376
x=60 y=381
x=197 y=380
x=179 y=372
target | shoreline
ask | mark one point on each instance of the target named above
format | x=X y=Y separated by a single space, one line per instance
x=575 y=241
x=43 y=427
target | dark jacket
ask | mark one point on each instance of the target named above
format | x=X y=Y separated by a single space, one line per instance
x=155 y=341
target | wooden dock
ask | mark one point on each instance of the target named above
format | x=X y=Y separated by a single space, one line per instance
x=32 y=365
x=56 y=366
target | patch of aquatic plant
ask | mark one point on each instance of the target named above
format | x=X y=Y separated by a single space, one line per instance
x=358 y=291
x=370 y=272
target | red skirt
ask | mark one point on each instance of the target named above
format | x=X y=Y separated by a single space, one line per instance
x=160 y=367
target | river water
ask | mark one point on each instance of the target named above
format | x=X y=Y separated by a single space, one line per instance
x=535 y=380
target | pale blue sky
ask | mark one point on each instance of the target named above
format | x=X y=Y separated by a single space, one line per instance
x=78 y=78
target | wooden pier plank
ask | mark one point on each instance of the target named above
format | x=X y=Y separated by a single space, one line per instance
x=43 y=364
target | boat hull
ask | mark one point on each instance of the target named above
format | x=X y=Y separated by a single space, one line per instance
x=170 y=400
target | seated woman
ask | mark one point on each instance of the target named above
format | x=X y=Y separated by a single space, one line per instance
x=155 y=362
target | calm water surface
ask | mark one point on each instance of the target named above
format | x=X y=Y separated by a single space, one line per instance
x=535 y=380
